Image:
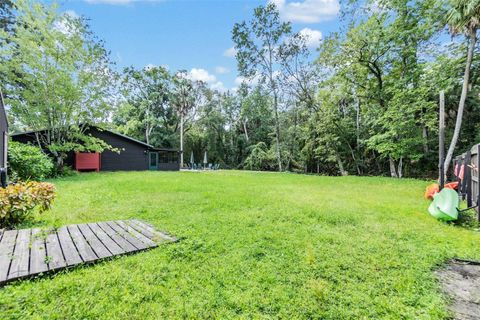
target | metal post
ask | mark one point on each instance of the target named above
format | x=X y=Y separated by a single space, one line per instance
x=3 y=177
x=441 y=141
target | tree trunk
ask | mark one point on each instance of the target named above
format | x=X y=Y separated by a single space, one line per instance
x=425 y=140
x=294 y=138
x=58 y=161
x=277 y=133
x=245 y=129
x=461 y=105
x=393 y=171
x=357 y=122
x=400 y=167
x=340 y=166
x=147 y=136
x=181 y=140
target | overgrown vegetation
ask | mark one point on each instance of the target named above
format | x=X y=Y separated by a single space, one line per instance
x=28 y=162
x=252 y=245
x=364 y=103
x=19 y=201
x=57 y=78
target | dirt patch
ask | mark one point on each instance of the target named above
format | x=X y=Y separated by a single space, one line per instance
x=461 y=282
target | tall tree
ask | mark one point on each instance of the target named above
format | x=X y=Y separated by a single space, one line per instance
x=148 y=106
x=187 y=96
x=257 y=43
x=463 y=17
x=7 y=18
x=58 y=78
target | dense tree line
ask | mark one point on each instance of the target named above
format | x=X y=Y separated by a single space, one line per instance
x=365 y=102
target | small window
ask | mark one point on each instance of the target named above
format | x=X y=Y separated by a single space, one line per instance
x=163 y=157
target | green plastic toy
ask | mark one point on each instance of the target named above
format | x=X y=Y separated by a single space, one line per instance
x=445 y=205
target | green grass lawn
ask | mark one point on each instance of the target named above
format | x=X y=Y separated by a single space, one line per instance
x=253 y=245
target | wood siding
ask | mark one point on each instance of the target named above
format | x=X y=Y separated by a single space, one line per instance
x=132 y=157
x=133 y=154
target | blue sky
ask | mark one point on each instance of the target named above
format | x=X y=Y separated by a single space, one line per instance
x=194 y=35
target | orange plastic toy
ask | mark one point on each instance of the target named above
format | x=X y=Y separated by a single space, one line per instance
x=434 y=188
x=452 y=185
x=431 y=190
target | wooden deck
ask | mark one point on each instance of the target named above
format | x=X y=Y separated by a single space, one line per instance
x=29 y=252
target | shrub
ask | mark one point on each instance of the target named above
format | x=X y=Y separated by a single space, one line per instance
x=260 y=158
x=19 y=201
x=28 y=162
x=66 y=171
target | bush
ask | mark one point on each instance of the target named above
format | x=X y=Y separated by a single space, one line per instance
x=260 y=158
x=19 y=201
x=66 y=171
x=28 y=162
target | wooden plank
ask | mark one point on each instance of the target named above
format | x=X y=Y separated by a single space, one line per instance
x=155 y=235
x=33 y=251
x=121 y=241
x=136 y=234
x=142 y=230
x=55 y=259
x=7 y=246
x=38 y=254
x=106 y=240
x=100 y=250
x=129 y=237
x=83 y=247
x=21 y=255
x=68 y=247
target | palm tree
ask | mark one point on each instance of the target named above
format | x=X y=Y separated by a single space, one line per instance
x=463 y=17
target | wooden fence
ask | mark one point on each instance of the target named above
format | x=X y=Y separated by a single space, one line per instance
x=469 y=186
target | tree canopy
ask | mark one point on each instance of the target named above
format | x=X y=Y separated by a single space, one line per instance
x=364 y=102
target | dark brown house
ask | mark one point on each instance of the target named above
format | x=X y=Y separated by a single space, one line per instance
x=134 y=155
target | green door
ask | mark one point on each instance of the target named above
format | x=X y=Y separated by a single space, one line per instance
x=153 y=161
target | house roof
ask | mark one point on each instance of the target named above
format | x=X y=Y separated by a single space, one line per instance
x=135 y=140
x=149 y=146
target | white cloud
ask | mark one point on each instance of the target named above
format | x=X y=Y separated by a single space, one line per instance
x=199 y=74
x=218 y=86
x=239 y=80
x=230 y=52
x=312 y=37
x=250 y=81
x=119 y=2
x=307 y=11
x=64 y=24
x=149 y=66
x=221 y=70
